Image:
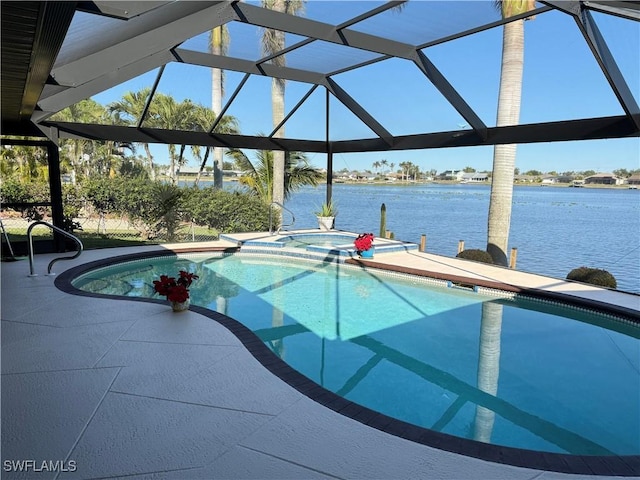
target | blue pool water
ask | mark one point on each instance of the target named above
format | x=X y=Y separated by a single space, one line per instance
x=521 y=373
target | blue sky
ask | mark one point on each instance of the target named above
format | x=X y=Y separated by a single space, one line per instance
x=561 y=81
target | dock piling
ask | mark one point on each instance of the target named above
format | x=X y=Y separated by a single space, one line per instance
x=513 y=257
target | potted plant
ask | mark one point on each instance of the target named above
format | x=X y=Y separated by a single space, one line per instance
x=364 y=245
x=326 y=215
x=176 y=290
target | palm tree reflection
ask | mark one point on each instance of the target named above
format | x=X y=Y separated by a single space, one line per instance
x=488 y=367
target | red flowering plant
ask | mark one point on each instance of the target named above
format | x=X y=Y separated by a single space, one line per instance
x=363 y=242
x=176 y=290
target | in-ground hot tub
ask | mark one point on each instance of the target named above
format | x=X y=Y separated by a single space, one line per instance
x=335 y=243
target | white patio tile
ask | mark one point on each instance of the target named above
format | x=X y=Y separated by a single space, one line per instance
x=135 y=435
x=23 y=296
x=161 y=369
x=565 y=476
x=221 y=376
x=238 y=463
x=243 y=463
x=346 y=448
x=184 y=327
x=34 y=348
x=43 y=414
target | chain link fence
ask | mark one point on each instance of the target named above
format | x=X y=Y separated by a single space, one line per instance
x=100 y=230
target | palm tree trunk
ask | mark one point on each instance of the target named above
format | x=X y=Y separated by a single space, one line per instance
x=152 y=173
x=216 y=105
x=204 y=162
x=499 y=219
x=277 y=99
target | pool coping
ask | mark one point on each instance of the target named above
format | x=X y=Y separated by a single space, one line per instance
x=619 y=465
x=591 y=304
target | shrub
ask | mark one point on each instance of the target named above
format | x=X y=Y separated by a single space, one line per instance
x=165 y=214
x=476 y=255
x=227 y=212
x=71 y=204
x=101 y=194
x=593 y=276
x=15 y=191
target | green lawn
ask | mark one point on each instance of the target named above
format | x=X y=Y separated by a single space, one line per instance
x=114 y=238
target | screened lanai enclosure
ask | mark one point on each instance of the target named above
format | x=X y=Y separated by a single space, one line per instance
x=322 y=77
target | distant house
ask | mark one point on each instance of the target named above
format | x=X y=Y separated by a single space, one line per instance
x=186 y=171
x=475 y=177
x=451 y=175
x=354 y=175
x=565 y=179
x=525 y=179
x=634 y=179
x=603 y=179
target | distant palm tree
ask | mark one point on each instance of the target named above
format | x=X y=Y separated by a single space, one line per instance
x=499 y=218
x=258 y=177
x=203 y=118
x=218 y=44
x=171 y=115
x=85 y=111
x=131 y=106
x=376 y=166
x=273 y=41
x=25 y=163
x=405 y=170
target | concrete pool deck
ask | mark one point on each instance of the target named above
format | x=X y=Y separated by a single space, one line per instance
x=123 y=388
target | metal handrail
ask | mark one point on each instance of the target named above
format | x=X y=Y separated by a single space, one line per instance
x=293 y=217
x=56 y=229
x=6 y=238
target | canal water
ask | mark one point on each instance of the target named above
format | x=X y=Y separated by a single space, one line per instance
x=555 y=229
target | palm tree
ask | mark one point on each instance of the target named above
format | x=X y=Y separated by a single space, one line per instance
x=259 y=176
x=203 y=118
x=376 y=166
x=171 y=115
x=405 y=168
x=85 y=111
x=499 y=218
x=273 y=41
x=22 y=162
x=132 y=105
x=218 y=44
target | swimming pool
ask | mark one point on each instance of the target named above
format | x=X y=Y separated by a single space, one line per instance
x=520 y=373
